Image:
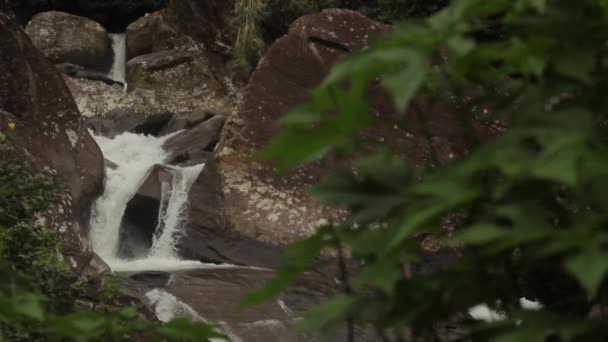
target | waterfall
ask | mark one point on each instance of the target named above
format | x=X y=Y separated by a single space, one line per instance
x=135 y=155
x=119 y=67
x=168 y=232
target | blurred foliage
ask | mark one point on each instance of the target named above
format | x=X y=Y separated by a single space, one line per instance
x=527 y=208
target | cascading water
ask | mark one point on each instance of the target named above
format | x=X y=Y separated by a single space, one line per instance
x=168 y=232
x=135 y=155
x=119 y=67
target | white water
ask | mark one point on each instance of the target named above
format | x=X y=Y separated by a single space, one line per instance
x=119 y=67
x=174 y=217
x=135 y=155
x=482 y=312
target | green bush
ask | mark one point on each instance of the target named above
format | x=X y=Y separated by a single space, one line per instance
x=527 y=208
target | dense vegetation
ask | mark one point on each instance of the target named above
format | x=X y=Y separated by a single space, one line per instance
x=526 y=210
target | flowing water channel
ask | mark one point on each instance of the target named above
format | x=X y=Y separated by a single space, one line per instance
x=119 y=67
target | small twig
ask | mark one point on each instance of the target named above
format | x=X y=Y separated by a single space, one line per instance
x=423 y=119
x=345 y=279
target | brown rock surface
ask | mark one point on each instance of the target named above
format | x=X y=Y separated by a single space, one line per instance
x=195 y=143
x=66 y=38
x=151 y=33
x=249 y=199
x=254 y=202
x=214 y=295
x=50 y=133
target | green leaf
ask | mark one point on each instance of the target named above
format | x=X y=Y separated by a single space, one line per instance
x=299 y=256
x=381 y=275
x=328 y=314
x=482 y=233
x=29 y=305
x=185 y=328
x=403 y=85
x=589 y=266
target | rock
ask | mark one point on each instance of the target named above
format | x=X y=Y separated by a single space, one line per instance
x=96 y=98
x=209 y=22
x=214 y=294
x=141 y=215
x=188 y=75
x=50 y=133
x=178 y=123
x=112 y=14
x=110 y=164
x=169 y=81
x=194 y=143
x=209 y=238
x=66 y=38
x=152 y=33
x=245 y=196
x=223 y=289
x=177 y=64
x=117 y=121
x=77 y=71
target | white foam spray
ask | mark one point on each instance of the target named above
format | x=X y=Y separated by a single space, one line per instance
x=135 y=155
x=174 y=219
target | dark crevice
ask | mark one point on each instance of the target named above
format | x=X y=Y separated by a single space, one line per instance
x=328 y=44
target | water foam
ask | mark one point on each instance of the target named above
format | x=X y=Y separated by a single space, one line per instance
x=135 y=155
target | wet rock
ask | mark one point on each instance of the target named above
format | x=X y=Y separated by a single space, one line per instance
x=77 y=71
x=194 y=144
x=66 y=38
x=117 y=122
x=178 y=123
x=110 y=164
x=142 y=213
x=208 y=236
x=52 y=138
x=223 y=289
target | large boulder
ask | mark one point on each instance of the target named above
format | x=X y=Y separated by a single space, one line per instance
x=179 y=77
x=66 y=38
x=193 y=144
x=151 y=33
x=238 y=194
x=50 y=134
